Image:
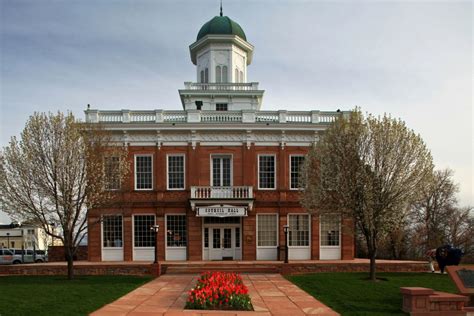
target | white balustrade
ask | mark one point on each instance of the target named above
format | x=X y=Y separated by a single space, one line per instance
x=142 y=117
x=174 y=116
x=328 y=117
x=298 y=117
x=267 y=116
x=221 y=116
x=251 y=86
x=244 y=116
x=207 y=192
x=110 y=117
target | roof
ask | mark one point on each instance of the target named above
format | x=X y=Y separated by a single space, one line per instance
x=221 y=25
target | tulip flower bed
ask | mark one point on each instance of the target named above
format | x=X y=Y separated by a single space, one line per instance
x=219 y=291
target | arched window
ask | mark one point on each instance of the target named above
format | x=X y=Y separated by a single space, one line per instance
x=224 y=74
x=206 y=76
x=218 y=74
x=241 y=76
x=236 y=79
x=202 y=76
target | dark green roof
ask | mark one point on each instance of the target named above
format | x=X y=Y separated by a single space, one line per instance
x=221 y=25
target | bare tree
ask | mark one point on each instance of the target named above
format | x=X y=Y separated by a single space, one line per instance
x=55 y=172
x=432 y=211
x=459 y=228
x=369 y=169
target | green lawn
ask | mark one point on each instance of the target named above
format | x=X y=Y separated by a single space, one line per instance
x=353 y=294
x=55 y=295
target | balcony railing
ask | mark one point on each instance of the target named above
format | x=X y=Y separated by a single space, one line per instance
x=250 y=86
x=238 y=192
x=195 y=116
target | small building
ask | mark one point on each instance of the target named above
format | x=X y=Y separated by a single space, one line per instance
x=220 y=177
x=24 y=235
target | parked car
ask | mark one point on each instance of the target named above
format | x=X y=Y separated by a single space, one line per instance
x=26 y=256
x=6 y=256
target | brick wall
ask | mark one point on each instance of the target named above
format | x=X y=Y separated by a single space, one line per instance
x=161 y=201
x=56 y=253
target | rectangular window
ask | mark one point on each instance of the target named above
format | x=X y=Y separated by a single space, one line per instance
x=112 y=173
x=330 y=225
x=237 y=237
x=298 y=233
x=206 y=237
x=267 y=230
x=143 y=236
x=143 y=172
x=176 y=230
x=221 y=171
x=112 y=231
x=296 y=163
x=176 y=172
x=266 y=172
x=221 y=106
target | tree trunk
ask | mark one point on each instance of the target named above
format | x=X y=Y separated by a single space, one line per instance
x=70 y=266
x=372 y=266
x=70 y=263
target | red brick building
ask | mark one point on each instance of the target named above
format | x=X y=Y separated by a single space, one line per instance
x=220 y=178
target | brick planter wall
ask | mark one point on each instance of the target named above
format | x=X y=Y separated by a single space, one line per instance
x=80 y=269
x=301 y=268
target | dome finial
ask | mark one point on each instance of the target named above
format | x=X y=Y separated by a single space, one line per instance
x=221 y=7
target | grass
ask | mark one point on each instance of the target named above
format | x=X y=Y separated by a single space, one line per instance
x=353 y=294
x=55 y=295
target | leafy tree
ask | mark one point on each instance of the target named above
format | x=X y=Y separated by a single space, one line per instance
x=55 y=172
x=369 y=169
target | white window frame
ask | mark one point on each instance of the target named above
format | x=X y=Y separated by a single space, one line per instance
x=135 y=171
x=166 y=231
x=133 y=229
x=102 y=232
x=167 y=171
x=277 y=231
x=289 y=171
x=211 y=156
x=274 y=171
x=309 y=231
x=340 y=233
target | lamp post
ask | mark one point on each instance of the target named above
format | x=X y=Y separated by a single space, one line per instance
x=155 y=229
x=8 y=240
x=53 y=225
x=285 y=230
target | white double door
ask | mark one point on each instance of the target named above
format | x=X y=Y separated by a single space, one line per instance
x=222 y=243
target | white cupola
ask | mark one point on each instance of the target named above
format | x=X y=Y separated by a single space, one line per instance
x=221 y=54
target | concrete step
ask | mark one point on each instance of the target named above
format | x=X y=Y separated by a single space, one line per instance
x=195 y=269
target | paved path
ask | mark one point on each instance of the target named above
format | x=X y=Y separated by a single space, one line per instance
x=271 y=294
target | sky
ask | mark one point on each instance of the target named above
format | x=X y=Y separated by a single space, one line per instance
x=411 y=59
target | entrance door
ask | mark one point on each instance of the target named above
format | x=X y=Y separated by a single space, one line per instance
x=222 y=245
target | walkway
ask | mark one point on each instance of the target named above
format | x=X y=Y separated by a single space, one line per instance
x=271 y=294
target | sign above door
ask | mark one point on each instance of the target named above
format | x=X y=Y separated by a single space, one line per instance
x=221 y=211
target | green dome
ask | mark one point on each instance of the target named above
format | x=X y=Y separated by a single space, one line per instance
x=221 y=25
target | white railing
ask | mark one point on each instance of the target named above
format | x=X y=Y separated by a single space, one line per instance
x=298 y=117
x=174 y=116
x=267 y=117
x=250 y=86
x=110 y=117
x=239 y=192
x=142 y=117
x=221 y=116
x=204 y=116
